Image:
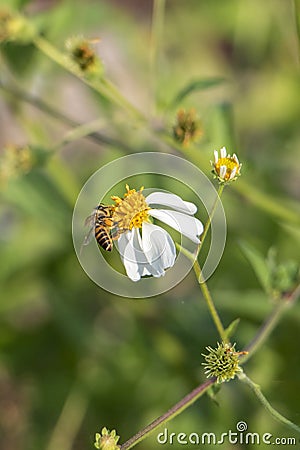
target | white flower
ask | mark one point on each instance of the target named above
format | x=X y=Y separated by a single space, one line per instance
x=145 y=248
x=226 y=168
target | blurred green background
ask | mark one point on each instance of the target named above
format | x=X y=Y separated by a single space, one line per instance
x=75 y=358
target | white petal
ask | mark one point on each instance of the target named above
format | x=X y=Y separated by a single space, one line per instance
x=235 y=158
x=172 y=201
x=123 y=242
x=223 y=170
x=216 y=154
x=159 y=248
x=223 y=152
x=133 y=257
x=126 y=246
x=233 y=173
x=145 y=271
x=186 y=225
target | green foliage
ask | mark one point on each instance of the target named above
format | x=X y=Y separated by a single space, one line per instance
x=20 y=58
x=275 y=278
x=258 y=264
x=74 y=357
x=194 y=86
x=231 y=329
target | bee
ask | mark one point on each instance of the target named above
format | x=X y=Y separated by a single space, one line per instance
x=105 y=230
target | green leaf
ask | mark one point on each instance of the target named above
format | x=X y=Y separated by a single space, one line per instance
x=230 y=330
x=212 y=393
x=258 y=264
x=19 y=56
x=283 y=276
x=22 y=3
x=194 y=86
x=221 y=125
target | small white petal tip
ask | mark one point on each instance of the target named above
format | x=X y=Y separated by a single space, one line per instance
x=223 y=152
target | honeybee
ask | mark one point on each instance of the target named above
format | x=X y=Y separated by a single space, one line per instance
x=104 y=228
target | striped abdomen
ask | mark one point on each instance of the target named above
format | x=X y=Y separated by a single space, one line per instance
x=103 y=225
x=103 y=237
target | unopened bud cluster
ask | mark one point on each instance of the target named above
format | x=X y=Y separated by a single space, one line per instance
x=14 y=27
x=222 y=362
x=187 y=128
x=15 y=161
x=83 y=54
x=107 y=440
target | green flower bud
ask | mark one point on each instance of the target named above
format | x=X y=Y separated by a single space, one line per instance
x=222 y=362
x=107 y=440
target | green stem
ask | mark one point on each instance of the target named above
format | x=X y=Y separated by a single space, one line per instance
x=212 y=212
x=185 y=252
x=266 y=329
x=209 y=302
x=264 y=332
x=113 y=94
x=197 y=269
x=69 y=421
x=156 y=38
x=256 y=389
x=100 y=84
x=274 y=206
x=279 y=208
x=170 y=414
x=205 y=291
x=108 y=90
x=88 y=130
x=261 y=200
x=296 y=12
x=198 y=272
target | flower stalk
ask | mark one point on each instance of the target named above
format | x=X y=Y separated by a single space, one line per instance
x=271 y=322
x=257 y=391
x=209 y=302
x=102 y=86
x=157 y=27
x=89 y=130
x=183 y=404
x=208 y=223
x=198 y=272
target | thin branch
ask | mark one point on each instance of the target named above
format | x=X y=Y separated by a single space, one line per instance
x=41 y=105
x=268 y=326
x=256 y=389
x=170 y=414
x=155 y=44
x=69 y=421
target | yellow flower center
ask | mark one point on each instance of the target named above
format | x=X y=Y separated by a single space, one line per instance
x=230 y=164
x=130 y=211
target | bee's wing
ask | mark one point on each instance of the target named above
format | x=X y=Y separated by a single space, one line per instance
x=89 y=221
x=88 y=237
